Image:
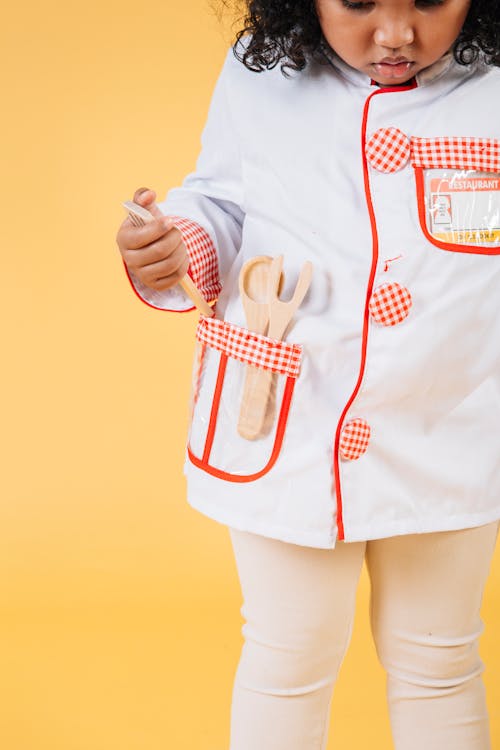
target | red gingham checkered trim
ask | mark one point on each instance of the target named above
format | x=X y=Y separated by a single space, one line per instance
x=390 y=303
x=204 y=266
x=481 y=154
x=251 y=348
x=388 y=150
x=354 y=439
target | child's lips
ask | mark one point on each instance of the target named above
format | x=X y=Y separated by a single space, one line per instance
x=393 y=68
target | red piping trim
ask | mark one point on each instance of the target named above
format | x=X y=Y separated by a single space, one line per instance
x=475 y=249
x=278 y=440
x=215 y=408
x=366 y=317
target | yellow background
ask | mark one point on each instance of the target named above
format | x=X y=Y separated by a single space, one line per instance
x=119 y=621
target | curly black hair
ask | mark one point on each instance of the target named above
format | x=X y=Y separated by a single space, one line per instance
x=287 y=33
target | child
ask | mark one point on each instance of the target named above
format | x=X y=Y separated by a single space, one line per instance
x=377 y=157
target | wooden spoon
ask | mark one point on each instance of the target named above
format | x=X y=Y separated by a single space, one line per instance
x=254 y=292
x=253 y=286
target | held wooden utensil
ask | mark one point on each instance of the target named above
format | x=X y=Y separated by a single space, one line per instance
x=141 y=216
x=256 y=396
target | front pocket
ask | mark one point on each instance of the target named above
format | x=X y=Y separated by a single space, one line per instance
x=458 y=192
x=240 y=377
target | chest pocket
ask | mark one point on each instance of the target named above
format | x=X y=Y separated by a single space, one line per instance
x=458 y=192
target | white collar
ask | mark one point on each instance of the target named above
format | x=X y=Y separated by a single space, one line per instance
x=423 y=78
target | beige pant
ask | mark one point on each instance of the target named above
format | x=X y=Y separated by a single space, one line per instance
x=426 y=592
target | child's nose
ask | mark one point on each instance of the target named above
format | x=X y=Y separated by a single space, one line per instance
x=394 y=32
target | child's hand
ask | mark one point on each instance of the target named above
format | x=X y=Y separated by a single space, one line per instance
x=155 y=252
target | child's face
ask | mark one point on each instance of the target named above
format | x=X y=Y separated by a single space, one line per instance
x=391 y=40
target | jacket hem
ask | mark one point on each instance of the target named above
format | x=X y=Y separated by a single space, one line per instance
x=302 y=538
x=320 y=540
x=456 y=523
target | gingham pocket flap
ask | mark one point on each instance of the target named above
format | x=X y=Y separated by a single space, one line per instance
x=249 y=347
x=479 y=154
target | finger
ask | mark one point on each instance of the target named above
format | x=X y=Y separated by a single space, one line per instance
x=165 y=249
x=168 y=247
x=146 y=197
x=165 y=273
x=130 y=237
x=161 y=285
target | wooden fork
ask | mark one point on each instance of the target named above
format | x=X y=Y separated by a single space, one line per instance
x=139 y=216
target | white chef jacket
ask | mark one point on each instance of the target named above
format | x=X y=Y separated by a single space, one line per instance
x=387 y=407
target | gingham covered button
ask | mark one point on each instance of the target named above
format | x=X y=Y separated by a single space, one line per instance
x=390 y=303
x=354 y=439
x=388 y=150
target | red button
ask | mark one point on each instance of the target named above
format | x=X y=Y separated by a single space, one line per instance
x=354 y=439
x=390 y=303
x=388 y=150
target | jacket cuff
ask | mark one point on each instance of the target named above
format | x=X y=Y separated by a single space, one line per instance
x=203 y=266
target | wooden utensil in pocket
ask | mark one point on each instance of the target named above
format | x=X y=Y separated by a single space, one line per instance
x=258 y=382
x=254 y=293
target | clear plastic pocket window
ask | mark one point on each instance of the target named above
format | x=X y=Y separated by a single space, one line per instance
x=463 y=206
x=242 y=392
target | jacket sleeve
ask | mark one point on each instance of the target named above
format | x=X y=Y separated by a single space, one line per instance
x=208 y=207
